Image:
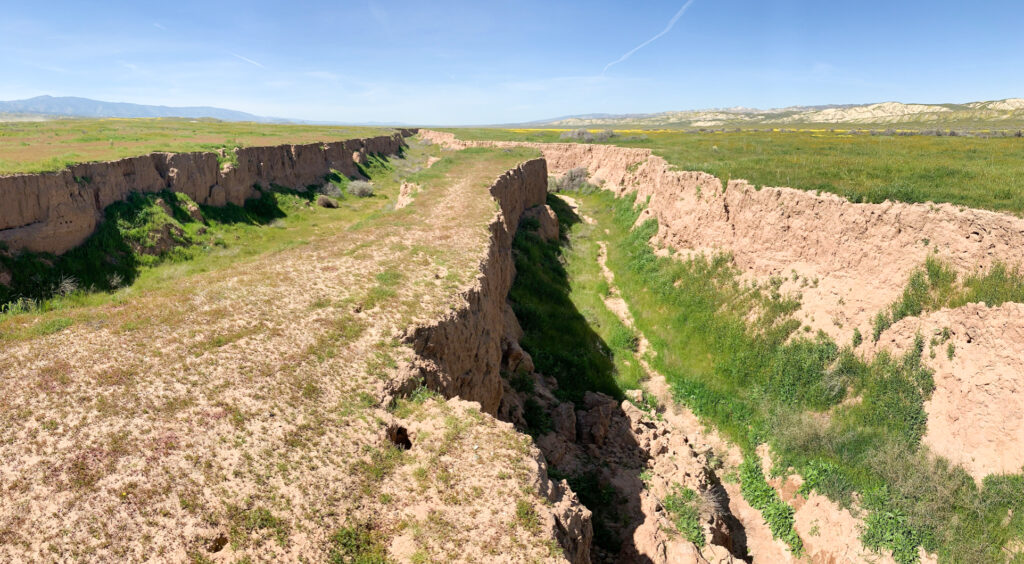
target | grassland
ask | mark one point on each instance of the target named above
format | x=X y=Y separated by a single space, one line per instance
x=973 y=172
x=46 y=146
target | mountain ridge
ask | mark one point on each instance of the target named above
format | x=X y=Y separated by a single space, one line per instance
x=74 y=106
x=1008 y=112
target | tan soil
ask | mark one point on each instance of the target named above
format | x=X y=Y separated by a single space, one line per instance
x=976 y=413
x=246 y=404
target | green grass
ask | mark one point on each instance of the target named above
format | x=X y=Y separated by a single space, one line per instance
x=357 y=544
x=936 y=285
x=762 y=497
x=682 y=506
x=567 y=329
x=27 y=147
x=526 y=516
x=979 y=173
x=758 y=381
x=149 y=238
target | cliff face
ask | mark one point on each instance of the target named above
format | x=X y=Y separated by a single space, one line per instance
x=461 y=353
x=56 y=212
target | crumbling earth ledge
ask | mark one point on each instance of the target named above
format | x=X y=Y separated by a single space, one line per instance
x=462 y=353
x=846 y=261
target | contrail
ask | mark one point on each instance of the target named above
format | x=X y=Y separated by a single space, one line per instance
x=248 y=60
x=667 y=29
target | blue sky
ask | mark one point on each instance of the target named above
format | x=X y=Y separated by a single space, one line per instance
x=447 y=62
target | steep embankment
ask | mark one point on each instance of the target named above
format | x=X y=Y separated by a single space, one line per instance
x=845 y=261
x=55 y=212
x=229 y=415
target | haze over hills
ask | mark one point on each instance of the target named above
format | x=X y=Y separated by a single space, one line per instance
x=1007 y=113
x=69 y=106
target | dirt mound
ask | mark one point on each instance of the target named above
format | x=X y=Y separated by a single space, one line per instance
x=976 y=413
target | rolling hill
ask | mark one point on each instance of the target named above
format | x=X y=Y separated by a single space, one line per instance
x=68 y=106
x=998 y=114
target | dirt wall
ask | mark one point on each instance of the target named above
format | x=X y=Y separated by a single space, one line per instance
x=847 y=262
x=55 y=212
x=461 y=353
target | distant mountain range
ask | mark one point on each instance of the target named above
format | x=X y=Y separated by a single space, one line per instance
x=1008 y=113
x=67 y=106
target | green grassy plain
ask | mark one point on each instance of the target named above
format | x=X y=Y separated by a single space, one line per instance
x=973 y=172
x=45 y=146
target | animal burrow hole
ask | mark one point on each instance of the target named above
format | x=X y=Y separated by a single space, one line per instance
x=399 y=437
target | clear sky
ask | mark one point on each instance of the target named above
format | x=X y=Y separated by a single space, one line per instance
x=486 y=62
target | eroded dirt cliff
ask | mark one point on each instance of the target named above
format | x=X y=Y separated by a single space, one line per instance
x=232 y=416
x=56 y=212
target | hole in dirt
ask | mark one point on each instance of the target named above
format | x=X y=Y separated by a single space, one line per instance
x=399 y=437
x=218 y=543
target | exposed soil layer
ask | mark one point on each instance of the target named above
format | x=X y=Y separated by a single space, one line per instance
x=55 y=212
x=976 y=414
x=829 y=532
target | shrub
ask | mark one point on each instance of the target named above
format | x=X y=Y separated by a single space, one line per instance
x=583 y=134
x=361 y=188
x=575 y=180
x=681 y=505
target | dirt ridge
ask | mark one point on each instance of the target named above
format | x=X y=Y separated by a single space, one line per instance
x=55 y=212
x=462 y=353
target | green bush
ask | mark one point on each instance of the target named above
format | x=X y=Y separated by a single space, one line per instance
x=682 y=505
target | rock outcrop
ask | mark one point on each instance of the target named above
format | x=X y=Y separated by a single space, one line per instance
x=55 y=212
